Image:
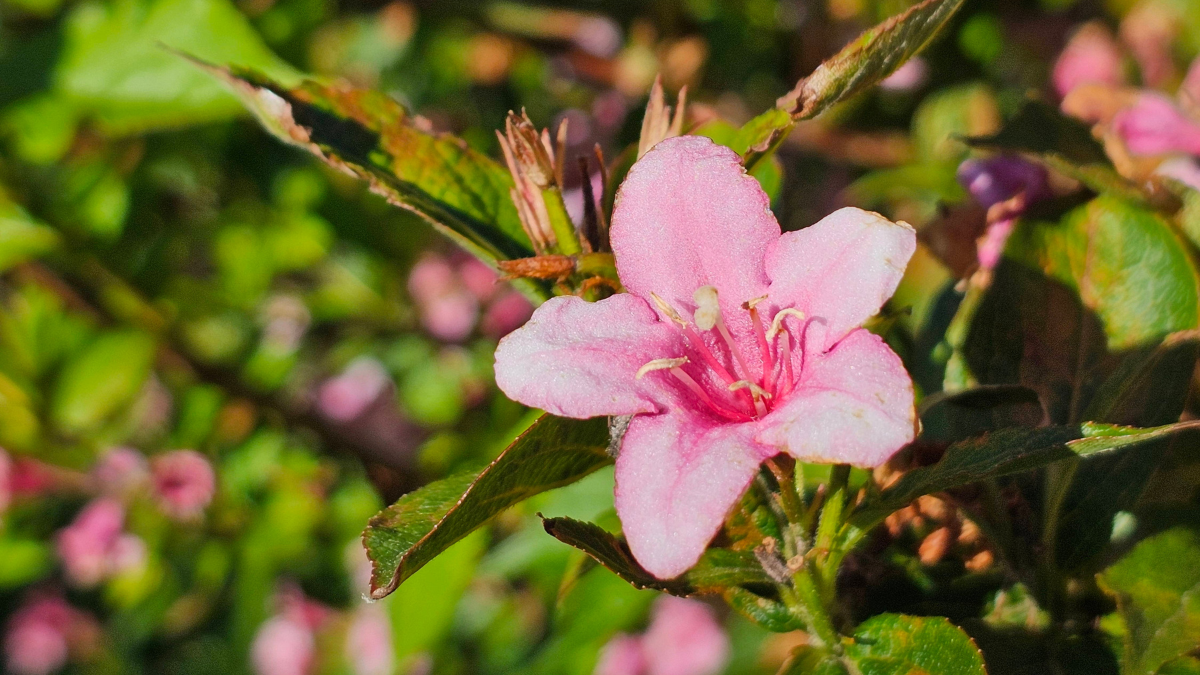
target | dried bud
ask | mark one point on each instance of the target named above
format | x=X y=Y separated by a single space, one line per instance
x=659 y=124
x=546 y=267
x=980 y=561
x=934 y=547
x=531 y=150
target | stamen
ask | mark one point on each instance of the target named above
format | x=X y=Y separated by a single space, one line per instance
x=785 y=355
x=752 y=302
x=668 y=310
x=756 y=391
x=708 y=309
x=777 y=322
x=767 y=362
x=660 y=364
x=708 y=400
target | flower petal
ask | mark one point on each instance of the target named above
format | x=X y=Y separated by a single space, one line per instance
x=853 y=405
x=841 y=270
x=688 y=216
x=580 y=359
x=678 y=474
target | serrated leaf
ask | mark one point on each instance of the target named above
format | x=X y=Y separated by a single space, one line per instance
x=1066 y=145
x=897 y=644
x=553 y=452
x=102 y=378
x=873 y=56
x=717 y=568
x=770 y=614
x=949 y=417
x=1007 y=452
x=1157 y=586
x=461 y=192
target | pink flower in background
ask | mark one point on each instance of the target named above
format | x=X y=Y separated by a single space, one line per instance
x=120 y=471
x=1186 y=170
x=908 y=77
x=5 y=480
x=369 y=642
x=734 y=343
x=505 y=314
x=95 y=547
x=345 y=397
x=1092 y=56
x=684 y=638
x=283 y=646
x=1189 y=89
x=184 y=483
x=448 y=308
x=38 y=637
x=478 y=278
x=1005 y=185
x=1155 y=125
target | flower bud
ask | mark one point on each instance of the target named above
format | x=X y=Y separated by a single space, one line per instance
x=184 y=483
x=1092 y=56
x=1154 y=125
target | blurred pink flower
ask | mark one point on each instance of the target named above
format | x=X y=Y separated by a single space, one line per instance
x=120 y=471
x=1186 y=170
x=1149 y=29
x=448 y=308
x=1154 y=125
x=369 y=642
x=1092 y=56
x=478 y=278
x=5 y=480
x=28 y=477
x=623 y=655
x=507 y=313
x=184 y=483
x=1189 y=89
x=283 y=646
x=37 y=641
x=684 y=638
x=344 y=397
x=94 y=546
x=714 y=394
x=912 y=75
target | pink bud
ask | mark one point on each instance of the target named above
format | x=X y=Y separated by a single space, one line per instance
x=479 y=279
x=684 y=638
x=431 y=277
x=184 y=483
x=1154 y=125
x=37 y=639
x=369 y=642
x=5 y=480
x=283 y=646
x=622 y=655
x=908 y=77
x=1186 y=170
x=1091 y=56
x=345 y=397
x=120 y=471
x=991 y=244
x=450 y=317
x=507 y=313
x=88 y=546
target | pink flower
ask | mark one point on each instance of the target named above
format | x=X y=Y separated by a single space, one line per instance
x=1186 y=170
x=1091 y=56
x=773 y=360
x=5 y=480
x=623 y=655
x=684 y=638
x=120 y=471
x=184 y=483
x=478 y=278
x=37 y=639
x=1154 y=125
x=507 y=313
x=283 y=646
x=1189 y=90
x=369 y=642
x=908 y=77
x=345 y=397
x=448 y=309
x=94 y=546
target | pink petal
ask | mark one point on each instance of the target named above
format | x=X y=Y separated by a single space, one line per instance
x=853 y=405
x=580 y=359
x=688 y=216
x=621 y=656
x=1155 y=126
x=677 y=476
x=1092 y=56
x=841 y=270
x=684 y=638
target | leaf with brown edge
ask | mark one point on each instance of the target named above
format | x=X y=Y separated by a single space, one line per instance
x=553 y=452
x=870 y=58
x=461 y=192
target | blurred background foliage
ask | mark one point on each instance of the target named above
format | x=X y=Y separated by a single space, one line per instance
x=172 y=278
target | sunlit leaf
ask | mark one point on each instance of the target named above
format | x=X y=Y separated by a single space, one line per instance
x=101 y=379
x=896 y=644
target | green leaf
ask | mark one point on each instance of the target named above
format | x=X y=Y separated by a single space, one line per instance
x=114 y=64
x=765 y=169
x=405 y=536
x=1184 y=666
x=873 y=56
x=717 y=568
x=896 y=644
x=1066 y=145
x=770 y=614
x=1151 y=385
x=101 y=379
x=949 y=417
x=459 y=191
x=21 y=236
x=1157 y=586
x=432 y=596
x=1007 y=452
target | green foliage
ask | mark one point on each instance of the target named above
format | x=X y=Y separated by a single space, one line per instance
x=895 y=644
x=101 y=379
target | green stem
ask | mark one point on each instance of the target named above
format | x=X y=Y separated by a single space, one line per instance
x=560 y=222
x=831 y=514
x=811 y=607
x=1058 y=482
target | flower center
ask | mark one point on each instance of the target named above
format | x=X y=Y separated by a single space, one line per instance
x=723 y=381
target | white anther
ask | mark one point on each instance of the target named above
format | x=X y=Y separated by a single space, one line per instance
x=777 y=322
x=708 y=310
x=753 y=302
x=660 y=364
x=668 y=310
x=755 y=390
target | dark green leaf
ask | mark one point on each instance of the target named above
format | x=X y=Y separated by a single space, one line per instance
x=808 y=660
x=770 y=614
x=1066 y=145
x=873 y=56
x=553 y=452
x=461 y=192
x=951 y=417
x=1007 y=452
x=717 y=569
x=1157 y=586
x=896 y=644
x=1151 y=385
